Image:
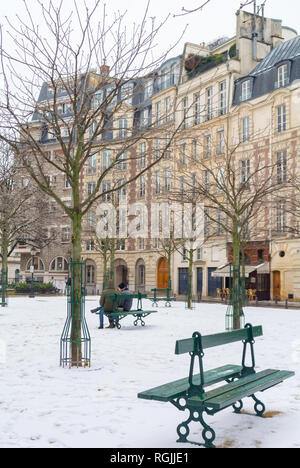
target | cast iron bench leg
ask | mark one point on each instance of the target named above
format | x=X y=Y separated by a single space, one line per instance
x=258 y=403
x=208 y=433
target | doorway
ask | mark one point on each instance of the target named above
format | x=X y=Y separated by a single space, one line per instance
x=276 y=285
x=162 y=274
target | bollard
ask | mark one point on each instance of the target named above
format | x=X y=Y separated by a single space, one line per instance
x=286 y=303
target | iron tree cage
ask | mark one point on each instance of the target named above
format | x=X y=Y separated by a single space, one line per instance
x=3 y=286
x=235 y=318
x=75 y=343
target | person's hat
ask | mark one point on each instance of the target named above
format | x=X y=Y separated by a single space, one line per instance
x=122 y=286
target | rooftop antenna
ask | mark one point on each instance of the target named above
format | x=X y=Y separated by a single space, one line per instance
x=255 y=34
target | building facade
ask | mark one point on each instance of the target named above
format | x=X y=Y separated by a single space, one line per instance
x=241 y=92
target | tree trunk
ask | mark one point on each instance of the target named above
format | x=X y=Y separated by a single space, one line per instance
x=4 y=267
x=190 y=280
x=169 y=259
x=236 y=299
x=77 y=283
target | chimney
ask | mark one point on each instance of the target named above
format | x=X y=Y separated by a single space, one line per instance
x=104 y=70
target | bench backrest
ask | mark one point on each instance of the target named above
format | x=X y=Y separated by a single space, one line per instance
x=128 y=296
x=210 y=341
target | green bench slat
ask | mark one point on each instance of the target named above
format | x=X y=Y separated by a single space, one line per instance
x=128 y=296
x=178 y=388
x=228 y=394
x=131 y=312
x=251 y=388
x=210 y=341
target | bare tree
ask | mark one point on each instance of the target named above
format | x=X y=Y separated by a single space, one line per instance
x=51 y=96
x=23 y=209
x=235 y=190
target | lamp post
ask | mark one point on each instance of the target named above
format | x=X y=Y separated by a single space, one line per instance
x=32 y=252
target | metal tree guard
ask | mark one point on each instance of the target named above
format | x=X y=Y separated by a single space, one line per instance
x=75 y=343
x=4 y=299
x=235 y=318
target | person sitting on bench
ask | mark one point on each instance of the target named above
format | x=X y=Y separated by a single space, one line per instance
x=126 y=303
x=106 y=304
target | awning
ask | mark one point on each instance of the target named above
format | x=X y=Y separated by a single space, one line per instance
x=224 y=270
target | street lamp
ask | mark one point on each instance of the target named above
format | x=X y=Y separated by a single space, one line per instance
x=32 y=252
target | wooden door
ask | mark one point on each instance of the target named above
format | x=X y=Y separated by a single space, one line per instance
x=162 y=274
x=276 y=285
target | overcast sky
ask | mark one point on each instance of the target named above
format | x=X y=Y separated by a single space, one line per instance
x=215 y=20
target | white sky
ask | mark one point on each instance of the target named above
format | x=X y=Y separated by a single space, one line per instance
x=216 y=19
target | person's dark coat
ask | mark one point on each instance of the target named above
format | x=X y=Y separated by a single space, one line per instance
x=126 y=303
x=106 y=303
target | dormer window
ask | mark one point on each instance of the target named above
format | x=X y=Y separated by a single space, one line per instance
x=282 y=75
x=246 y=90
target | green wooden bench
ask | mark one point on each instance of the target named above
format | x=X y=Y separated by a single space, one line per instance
x=118 y=313
x=192 y=394
x=168 y=298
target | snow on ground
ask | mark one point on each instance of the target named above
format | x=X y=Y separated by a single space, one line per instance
x=43 y=405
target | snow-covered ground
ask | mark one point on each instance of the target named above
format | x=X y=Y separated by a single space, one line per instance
x=43 y=405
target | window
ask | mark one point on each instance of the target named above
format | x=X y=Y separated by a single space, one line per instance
x=209 y=103
x=281 y=216
x=59 y=264
x=207 y=146
x=246 y=129
x=183 y=153
x=220 y=179
x=106 y=161
x=37 y=263
x=121 y=245
x=97 y=100
x=122 y=162
x=145 y=113
x=157 y=182
x=67 y=183
x=126 y=94
x=141 y=243
x=90 y=274
x=282 y=76
x=199 y=254
x=185 y=107
x=90 y=220
x=168 y=109
x=245 y=171
x=123 y=126
x=195 y=149
x=184 y=254
x=121 y=194
x=143 y=154
x=173 y=74
x=246 y=90
x=90 y=245
x=157 y=151
x=106 y=186
x=220 y=141
x=142 y=186
x=148 y=89
x=196 y=108
x=91 y=187
x=167 y=180
x=215 y=254
x=92 y=163
x=223 y=98
x=158 y=113
x=281 y=118
x=206 y=179
x=66 y=234
x=167 y=154
x=281 y=167
x=182 y=186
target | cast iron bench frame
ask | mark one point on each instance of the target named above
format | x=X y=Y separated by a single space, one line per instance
x=189 y=394
x=168 y=297
x=118 y=314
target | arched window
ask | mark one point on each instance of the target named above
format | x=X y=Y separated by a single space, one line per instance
x=90 y=274
x=37 y=263
x=59 y=264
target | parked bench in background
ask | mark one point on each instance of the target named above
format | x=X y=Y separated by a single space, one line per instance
x=189 y=393
x=167 y=298
x=118 y=313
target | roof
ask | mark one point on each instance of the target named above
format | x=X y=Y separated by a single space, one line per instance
x=286 y=51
